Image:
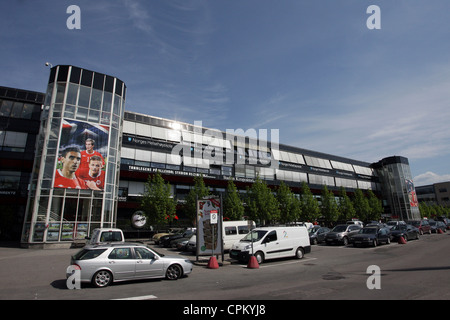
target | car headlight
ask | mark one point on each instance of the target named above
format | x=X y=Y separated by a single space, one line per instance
x=248 y=247
x=188 y=261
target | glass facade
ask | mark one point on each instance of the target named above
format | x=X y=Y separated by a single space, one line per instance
x=398 y=188
x=74 y=183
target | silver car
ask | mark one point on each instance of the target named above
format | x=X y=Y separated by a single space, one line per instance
x=103 y=264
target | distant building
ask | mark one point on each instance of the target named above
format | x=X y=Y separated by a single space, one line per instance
x=437 y=193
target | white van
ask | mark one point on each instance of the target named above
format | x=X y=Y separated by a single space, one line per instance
x=104 y=235
x=272 y=243
x=234 y=231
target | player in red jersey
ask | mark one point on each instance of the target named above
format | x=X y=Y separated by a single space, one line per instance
x=94 y=177
x=87 y=154
x=65 y=177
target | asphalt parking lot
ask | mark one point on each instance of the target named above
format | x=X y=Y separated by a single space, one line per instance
x=418 y=269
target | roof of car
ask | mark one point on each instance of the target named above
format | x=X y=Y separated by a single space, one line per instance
x=118 y=244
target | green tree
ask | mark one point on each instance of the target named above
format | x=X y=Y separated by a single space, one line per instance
x=233 y=206
x=310 y=210
x=361 y=205
x=157 y=202
x=329 y=206
x=289 y=205
x=199 y=191
x=376 y=207
x=345 y=206
x=262 y=204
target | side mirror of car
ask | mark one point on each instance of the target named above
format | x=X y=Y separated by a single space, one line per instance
x=156 y=257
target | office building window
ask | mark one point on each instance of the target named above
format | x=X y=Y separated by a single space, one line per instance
x=13 y=141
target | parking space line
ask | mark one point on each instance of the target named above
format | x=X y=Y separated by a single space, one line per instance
x=139 y=298
x=274 y=264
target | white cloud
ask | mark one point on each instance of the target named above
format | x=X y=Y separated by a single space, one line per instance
x=430 y=178
x=139 y=16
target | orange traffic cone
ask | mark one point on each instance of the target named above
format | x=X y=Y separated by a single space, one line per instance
x=440 y=231
x=253 y=263
x=401 y=240
x=213 y=264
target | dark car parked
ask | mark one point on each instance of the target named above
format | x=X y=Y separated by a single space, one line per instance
x=436 y=225
x=166 y=240
x=371 y=236
x=317 y=234
x=407 y=231
x=446 y=221
x=341 y=233
x=423 y=226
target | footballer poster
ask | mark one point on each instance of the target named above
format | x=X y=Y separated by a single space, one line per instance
x=82 y=153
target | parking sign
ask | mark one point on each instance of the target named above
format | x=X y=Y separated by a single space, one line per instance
x=213 y=217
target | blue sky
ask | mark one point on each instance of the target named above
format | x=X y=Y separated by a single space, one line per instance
x=310 y=68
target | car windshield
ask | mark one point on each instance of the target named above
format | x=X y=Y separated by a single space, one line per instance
x=432 y=223
x=87 y=254
x=399 y=227
x=415 y=223
x=255 y=235
x=368 y=231
x=340 y=228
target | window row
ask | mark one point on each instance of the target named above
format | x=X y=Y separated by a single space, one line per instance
x=87 y=78
x=252 y=172
x=288 y=157
x=174 y=135
x=9 y=180
x=13 y=141
x=19 y=110
x=136 y=188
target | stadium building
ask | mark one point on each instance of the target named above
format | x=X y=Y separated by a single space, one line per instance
x=85 y=159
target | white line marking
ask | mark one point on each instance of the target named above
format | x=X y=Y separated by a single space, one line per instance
x=138 y=298
x=274 y=264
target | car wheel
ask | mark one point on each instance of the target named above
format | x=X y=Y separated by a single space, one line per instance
x=259 y=257
x=299 y=254
x=102 y=279
x=174 y=272
x=345 y=240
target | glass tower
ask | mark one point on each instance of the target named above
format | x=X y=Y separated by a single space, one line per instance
x=398 y=188
x=74 y=183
